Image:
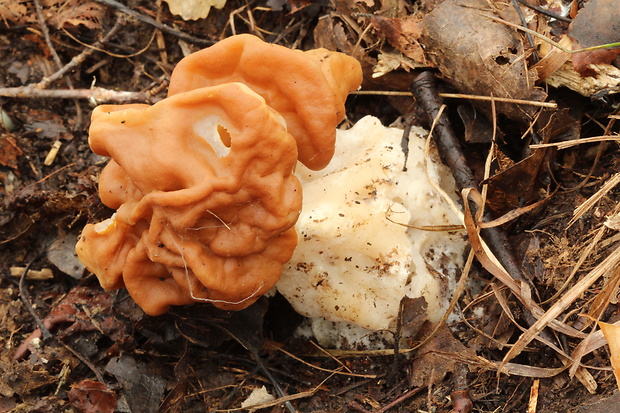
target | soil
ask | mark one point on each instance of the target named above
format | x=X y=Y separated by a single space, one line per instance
x=103 y=354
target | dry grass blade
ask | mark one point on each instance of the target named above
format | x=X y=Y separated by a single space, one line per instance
x=533 y=403
x=280 y=400
x=600 y=303
x=595 y=341
x=337 y=371
x=609 y=264
x=504 y=304
x=582 y=258
x=514 y=214
x=575 y=142
x=582 y=374
x=508 y=368
x=605 y=295
x=551 y=42
x=484 y=255
x=590 y=202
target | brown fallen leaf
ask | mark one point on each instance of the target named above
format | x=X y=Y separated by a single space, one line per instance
x=431 y=366
x=89 y=396
x=612 y=335
x=65 y=14
x=79 y=311
x=480 y=56
x=403 y=34
x=9 y=151
x=597 y=23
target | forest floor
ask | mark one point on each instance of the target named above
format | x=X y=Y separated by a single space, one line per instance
x=68 y=345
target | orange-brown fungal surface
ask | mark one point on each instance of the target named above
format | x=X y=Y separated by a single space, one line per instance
x=307 y=88
x=205 y=196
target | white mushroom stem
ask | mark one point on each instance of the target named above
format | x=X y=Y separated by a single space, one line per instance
x=358 y=254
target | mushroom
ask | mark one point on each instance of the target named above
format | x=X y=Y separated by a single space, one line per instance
x=308 y=89
x=202 y=182
x=205 y=195
x=361 y=247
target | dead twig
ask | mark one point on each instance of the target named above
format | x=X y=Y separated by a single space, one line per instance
x=407 y=395
x=425 y=92
x=551 y=105
x=25 y=297
x=79 y=59
x=50 y=46
x=148 y=20
x=545 y=12
x=96 y=94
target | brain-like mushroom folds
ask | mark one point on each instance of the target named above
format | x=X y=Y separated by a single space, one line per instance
x=203 y=181
x=196 y=219
x=307 y=88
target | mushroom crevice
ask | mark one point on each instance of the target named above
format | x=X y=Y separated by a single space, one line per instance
x=202 y=182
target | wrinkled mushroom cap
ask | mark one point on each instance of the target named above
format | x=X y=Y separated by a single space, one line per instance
x=307 y=88
x=205 y=195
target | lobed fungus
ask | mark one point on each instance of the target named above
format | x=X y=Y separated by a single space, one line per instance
x=203 y=180
x=307 y=88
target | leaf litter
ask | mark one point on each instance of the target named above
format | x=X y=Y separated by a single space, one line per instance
x=560 y=162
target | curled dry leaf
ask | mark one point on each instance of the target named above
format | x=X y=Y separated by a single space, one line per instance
x=403 y=34
x=612 y=335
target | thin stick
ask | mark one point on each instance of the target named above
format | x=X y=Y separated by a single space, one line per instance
x=77 y=60
x=547 y=40
x=155 y=23
x=96 y=94
x=409 y=394
x=46 y=36
x=50 y=46
x=552 y=105
x=575 y=142
x=545 y=12
x=424 y=89
x=25 y=297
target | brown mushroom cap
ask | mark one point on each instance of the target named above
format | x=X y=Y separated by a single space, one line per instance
x=205 y=195
x=307 y=88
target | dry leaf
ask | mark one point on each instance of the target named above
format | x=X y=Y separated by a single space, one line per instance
x=193 y=9
x=612 y=335
x=9 y=151
x=431 y=358
x=597 y=23
x=12 y=11
x=57 y=13
x=403 y=34
x=480 y=56
x=92 y=397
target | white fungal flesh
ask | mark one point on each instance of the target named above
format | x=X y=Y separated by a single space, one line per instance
x=353 y=264
x=207 y=128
